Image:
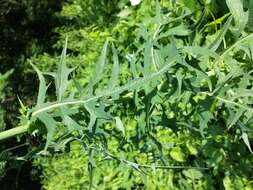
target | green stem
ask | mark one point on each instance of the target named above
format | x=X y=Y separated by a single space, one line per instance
x=13 y=132
x=129 y=86
x=236 y=44
x=135 y=83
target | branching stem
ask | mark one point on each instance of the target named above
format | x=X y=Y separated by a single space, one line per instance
x=13 y=132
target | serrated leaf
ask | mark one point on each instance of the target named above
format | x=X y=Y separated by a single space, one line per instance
x=240 y=17
x=180 y=30
x=235 y=117
x=132 y=85
x=204 y=117
x=98 y=110
x=61 y=77
x=79 y=88
x=115 y=69
x=143 y=32
x=147 y=58
x=92 y=120
x=158 y=16
x=132 y=61
x=50 y=124
x=42 y=87
x=120 y=125
x=196 y=51
x=71 y=124
x=245 y=138
x=98 y=73
x=193 y=174
x=199 y=73
x=216 y=43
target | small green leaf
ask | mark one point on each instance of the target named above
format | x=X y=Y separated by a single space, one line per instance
x=192 y=149
x=246 y=141
x=240 y=17
x=250 y=17
x=61 y=77
x=125 y=13
x=71 y=124
x=200 y=51
x=98 y=73
x=177 y=154
x=120 y=125
x=42 y=87
x=193 y=174
x=235 y=117
x=216 y=43
x=93 y=117
x=180 y=30
x=115 y=69
x=132 y=62
x=50 y=124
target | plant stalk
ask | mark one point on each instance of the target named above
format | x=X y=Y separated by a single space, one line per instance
x=13 y=132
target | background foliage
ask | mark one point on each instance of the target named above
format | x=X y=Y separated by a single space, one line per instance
x=197 y=117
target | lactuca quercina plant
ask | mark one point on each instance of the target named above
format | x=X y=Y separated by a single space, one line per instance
x=175 y=84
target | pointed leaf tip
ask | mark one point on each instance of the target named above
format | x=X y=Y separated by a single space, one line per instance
x=119 y=125
x=42 y=87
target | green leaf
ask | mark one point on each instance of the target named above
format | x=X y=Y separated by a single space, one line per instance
x=196 y=51
x=200 y=74
x=132 y=62
x=90 y=108
x=98 y=73
x=61 y=77
x=78 y=87
x=177 y=154
x=125 y=13
x=240 y=17
x=115 y=69
x=179 y=80
x=131 y=85
x=50 y=124
x=158 y=16
x=235 y=117
x=192 y=149
x=96 y=112
x=120 y=125
x=216 y=43
x=180 y=30
x=147 y=58
x=246 y=141
x=143 y=32
x=250 y=17
x=42 y=87
x=204 y=117
x=71 y=124
x=244 y=40
x=193 y=174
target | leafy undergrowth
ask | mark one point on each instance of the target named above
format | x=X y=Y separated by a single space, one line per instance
x=171 y=110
